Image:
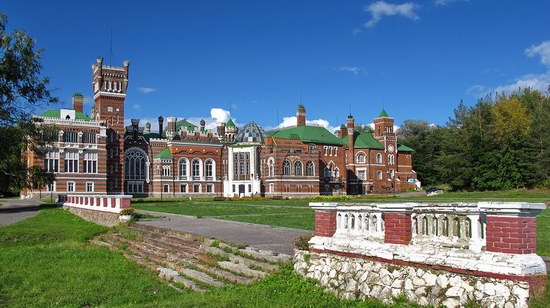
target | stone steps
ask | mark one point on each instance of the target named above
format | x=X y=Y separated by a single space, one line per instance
x=187 y=260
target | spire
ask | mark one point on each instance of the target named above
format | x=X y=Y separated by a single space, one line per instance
x=383 y=114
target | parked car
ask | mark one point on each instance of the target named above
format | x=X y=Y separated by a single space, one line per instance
x=434 y=191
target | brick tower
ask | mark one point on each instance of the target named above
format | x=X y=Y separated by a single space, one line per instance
x=110 y=84
x=383 y=132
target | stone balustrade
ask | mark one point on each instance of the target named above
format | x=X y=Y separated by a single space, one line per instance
x=101 y=203
x=477 y=242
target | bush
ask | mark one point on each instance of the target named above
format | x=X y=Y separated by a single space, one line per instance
x=128 y=211
x=302 y=242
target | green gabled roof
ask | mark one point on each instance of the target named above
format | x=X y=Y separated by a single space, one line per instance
x=313 y=134
x=184 y=123
x=383 y=114
x=364 y=140
x=404 y=148
x=56 y=113
x=230 y=123
x=164 y=154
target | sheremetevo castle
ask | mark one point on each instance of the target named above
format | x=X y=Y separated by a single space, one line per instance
x=98 y=154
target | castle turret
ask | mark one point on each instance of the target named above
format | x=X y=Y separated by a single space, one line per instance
x=78 y=102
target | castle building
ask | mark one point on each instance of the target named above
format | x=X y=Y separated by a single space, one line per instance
x=99 y=154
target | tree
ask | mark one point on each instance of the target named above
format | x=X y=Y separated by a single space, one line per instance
x=22 y=89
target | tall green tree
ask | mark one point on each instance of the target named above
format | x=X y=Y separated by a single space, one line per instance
x=22 y=89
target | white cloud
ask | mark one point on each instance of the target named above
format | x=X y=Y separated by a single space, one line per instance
x=542 y=50
x=540 y=82
x=447 y=2
x=381 y=9
x=478 y=91
x=291 y=121
x=219 y=114
x=352 y=69
x=147 y=90
x=395 y=127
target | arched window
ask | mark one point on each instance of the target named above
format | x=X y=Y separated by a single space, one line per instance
x=271 y=167
x=391 y=159
x=286 y=167
x=336 y=172
x=209 y=169
x=378 y=158
x=310 y=169
x=135 y=159
x=298 y=168
x=183 y=164
x=196 y=168
x=361 y=158
x=328 y=171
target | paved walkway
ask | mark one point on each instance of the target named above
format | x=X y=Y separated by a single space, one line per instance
x=263 y=237
x=14 y=210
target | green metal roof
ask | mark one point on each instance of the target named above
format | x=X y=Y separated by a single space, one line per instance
x=56 y=113
x=313 y=134
x=404 y=148
x=364 y=140
x=383 y=114
x=164 y=154
x=230 y=123
x=184 y=123
x=148 y=136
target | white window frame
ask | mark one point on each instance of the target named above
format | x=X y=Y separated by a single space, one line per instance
x=92 y=185
x=71 y=184
x=51 y=187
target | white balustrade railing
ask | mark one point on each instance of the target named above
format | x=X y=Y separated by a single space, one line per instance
x=367 y=222
x=102 y=203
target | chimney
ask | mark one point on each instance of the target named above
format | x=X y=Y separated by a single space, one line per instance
x=351 y=129
x=161 y=124
x=148 y=127
x=301 y=115
x=171 y=128
x=343 y=132
x=78 y=102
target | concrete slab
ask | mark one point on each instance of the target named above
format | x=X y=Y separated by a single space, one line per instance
x=14 y=210
x=263 y=237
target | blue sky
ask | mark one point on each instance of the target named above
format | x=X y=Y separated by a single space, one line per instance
x=417 y=59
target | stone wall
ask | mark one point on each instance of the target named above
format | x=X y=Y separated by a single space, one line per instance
x=101 y=218
x=357 y=278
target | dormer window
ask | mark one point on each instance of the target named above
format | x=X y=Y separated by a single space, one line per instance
x=68 y=117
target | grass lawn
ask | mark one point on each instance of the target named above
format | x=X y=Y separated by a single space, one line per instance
x=47 y=261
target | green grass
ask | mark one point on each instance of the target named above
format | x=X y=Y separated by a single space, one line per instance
x=47 y=261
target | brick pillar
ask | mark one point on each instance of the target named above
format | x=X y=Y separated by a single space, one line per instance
x=397 y=222
x=397 y=228
x=325 y=218
x=511 y=226
x=125 y=203
x=517 y=235
x=325 y=223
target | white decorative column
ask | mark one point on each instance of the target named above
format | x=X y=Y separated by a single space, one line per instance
x=475 y=243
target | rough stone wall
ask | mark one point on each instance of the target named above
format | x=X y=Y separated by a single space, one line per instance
x=353 y=278
x=100 y=218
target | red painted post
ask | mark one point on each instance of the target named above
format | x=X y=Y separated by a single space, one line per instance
x=397 y=223
x=325 y=218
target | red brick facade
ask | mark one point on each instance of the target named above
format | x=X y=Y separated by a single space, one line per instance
x=325 y=223
x=515 y=235
x=398 y=228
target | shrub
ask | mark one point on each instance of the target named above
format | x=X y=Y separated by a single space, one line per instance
x=302 y=242
x=128 y=211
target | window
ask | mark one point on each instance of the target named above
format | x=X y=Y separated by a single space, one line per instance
x=135 y=162
x=70 y=186
x=166 y=170
x=182 y=168
x=109 y=109
x=298 y=169
x=391 y=173
x=88 y=137
x=391 y=159
x=249 y=188
x=241 y=165
x=166 y=188
x=312 y=147
x=70 y=137
x=196 y=165
x=379 y=175
x=51 y=161
x=336 y=172
x=378 y=158
x=209 y=166
x=310 y=169
x=209 y=188
x=183 y=188
x=233 y=188
x=326 y=150
x=71 y=161
x=361 y=158
x=271 y=187
x=50 y=187
x=271 y=166
x=90 y=162
x=335 y=151
x=197 y=188
x=89 y=186
x=286 y=167
x=362 y=175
